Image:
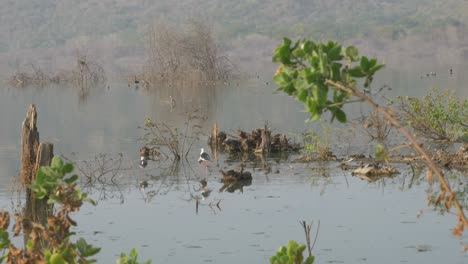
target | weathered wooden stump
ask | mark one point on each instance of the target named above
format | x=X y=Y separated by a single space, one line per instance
x=33 y=156
x=29 y=145
x=265 y=143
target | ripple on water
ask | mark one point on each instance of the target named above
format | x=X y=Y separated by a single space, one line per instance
x=193 y=246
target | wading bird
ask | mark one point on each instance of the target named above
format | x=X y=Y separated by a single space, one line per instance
x=204 y=157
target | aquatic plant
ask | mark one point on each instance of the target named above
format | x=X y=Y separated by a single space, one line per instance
x=317 y=147
x=164 y=138
x=437 y=116
x=131 y=258
x=307 y=70
x=292 y=253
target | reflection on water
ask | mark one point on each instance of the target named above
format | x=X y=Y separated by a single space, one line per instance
x=172 y=216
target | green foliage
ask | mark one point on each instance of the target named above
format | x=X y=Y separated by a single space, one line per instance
x=130 y=258
x=380 y=152
x=437 y=116
x=51 y=243
x=305 y=66
x=316 y=146
x=51 y=181
x=292 y=253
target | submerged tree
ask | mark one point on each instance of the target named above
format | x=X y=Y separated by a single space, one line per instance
x=190 y=52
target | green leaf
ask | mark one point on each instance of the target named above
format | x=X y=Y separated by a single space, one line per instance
x=89 y=200
x=4 y=238
x=85 y=249
x=51 y=200
x=289 y=89
x=340 y=115
x=40 y=176
x=298 y=52
x=365 y=65
x=356 y=72
x=29 y=244
x=57 y=162
x=71 y=179
x=322 y=93
x=352 y=53
x=67 y=168
x=380 y=152
x=376 y=68
x=56 y=258
x=308 y=46
x=309 y=260
x=335 y=71
x=50 y=174
x=302 y=95
x=334 y=53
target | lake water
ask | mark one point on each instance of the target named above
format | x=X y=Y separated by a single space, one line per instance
x=360 y=222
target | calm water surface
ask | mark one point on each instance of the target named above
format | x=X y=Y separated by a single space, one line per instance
x=360 y=222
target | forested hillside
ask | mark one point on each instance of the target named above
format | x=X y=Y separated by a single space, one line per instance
x=33 y=24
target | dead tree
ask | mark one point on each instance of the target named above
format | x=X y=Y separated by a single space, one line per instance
x=33 y=156
x=29 y=146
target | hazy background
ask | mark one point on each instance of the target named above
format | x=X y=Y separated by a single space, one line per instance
x=415 y=36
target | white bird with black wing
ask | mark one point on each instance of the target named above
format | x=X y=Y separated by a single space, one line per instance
x=204 y=157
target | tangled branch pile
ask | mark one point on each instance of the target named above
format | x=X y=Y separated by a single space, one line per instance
x=259 y=140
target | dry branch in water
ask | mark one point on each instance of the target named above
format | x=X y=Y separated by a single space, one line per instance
x=85 y=75
x=190 y=53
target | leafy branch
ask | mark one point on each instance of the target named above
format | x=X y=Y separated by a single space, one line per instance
x=307 y=70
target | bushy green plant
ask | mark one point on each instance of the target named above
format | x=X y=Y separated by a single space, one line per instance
x=316 y=146
x=307 y=70
x=437 y=116
x=51 y=242
x=131 y=258
x=305 y=67
x=292 y=253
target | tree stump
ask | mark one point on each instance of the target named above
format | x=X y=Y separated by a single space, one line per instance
x=33 y=156
x=265 y=143
x=29 y=146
